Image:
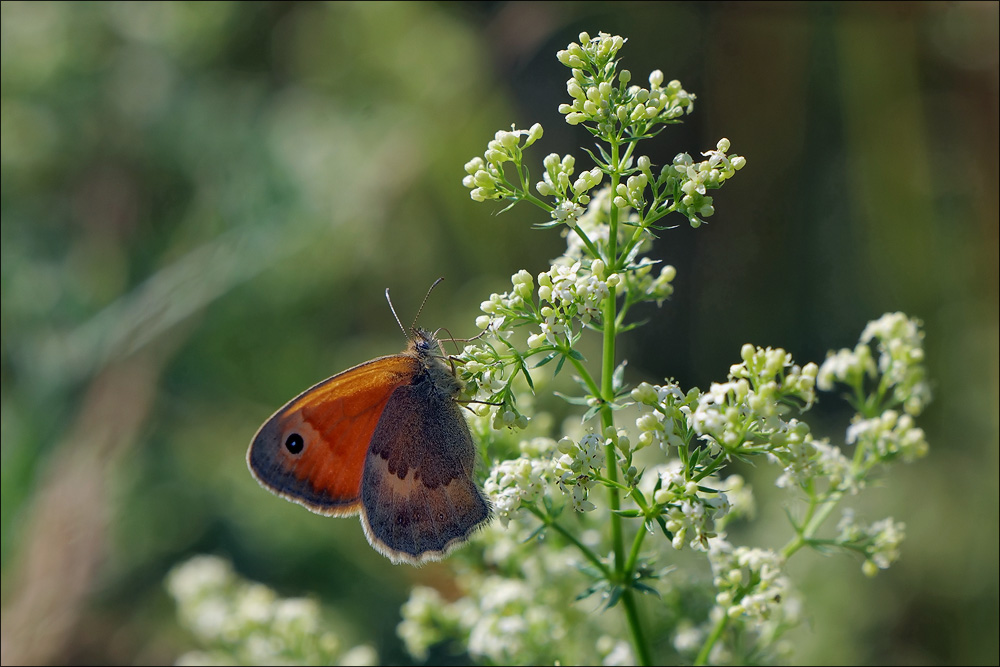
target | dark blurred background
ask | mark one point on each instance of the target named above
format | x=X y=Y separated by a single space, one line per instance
x=202 y=204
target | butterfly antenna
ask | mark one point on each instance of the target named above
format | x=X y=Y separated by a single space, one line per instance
x=419 y=310
x=452 y=339
x=393 y=309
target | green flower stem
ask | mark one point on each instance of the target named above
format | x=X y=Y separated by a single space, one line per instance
x=642 y=654
x=586 y=241
x=633 y=556
x=825 y=507
x=612 y=258
x=605 y=480
x=710 y=641
x=637 y=235
x=649 y=219
x=709 y=468
x=607 y=420
x=622 y=311
x=584 y=549
x=528 y=197
x=819 y=510
x=584 y=374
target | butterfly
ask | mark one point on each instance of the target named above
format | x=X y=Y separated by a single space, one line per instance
x=384 y=439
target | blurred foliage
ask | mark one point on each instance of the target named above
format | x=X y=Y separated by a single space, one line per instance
x=202 y=204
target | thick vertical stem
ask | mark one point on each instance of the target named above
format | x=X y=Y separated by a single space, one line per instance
x=628 y=600
x=607 y=373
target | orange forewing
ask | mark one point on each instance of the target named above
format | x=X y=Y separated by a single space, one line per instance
x=335 y=420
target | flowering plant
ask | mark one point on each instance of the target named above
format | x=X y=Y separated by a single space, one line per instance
x=241 y=622
x=611 y=511
x=596 y=514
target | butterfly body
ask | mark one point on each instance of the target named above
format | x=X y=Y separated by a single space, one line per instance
x=385 y=439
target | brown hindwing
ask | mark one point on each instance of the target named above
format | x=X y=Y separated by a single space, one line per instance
x=418 y=496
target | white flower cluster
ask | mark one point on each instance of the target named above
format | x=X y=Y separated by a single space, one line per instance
x=695 y=179
x=722 y=416
x=887 y=535
x=571 y=194
x=427 y=620
x=670 y=413
x=754 y=400
x=740 y=497
x=516 y=482
x=889 y=435
x=642 y=282
x=691 y=512
x=485 y=373
x=513 y=304
x=507 y=618
x=596 y=98
x=846 y=366
x=774 y=376
x=898 y=341
x=900 y=345
x=574 y=292
x=521 y=618
x=576 y=468
x=485 y=175
x=247 y=623
x=614 y=652
x=880 y=541
x=750 y=581
x=631 y=193
x=805 y=459
x=592 y=224
x=567 y=294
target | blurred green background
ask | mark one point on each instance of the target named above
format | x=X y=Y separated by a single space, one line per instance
x=202 y=204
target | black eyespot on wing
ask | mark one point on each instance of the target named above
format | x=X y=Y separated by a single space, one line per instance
x=294 y=443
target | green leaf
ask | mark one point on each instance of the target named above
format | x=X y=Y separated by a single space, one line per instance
x=510 y=347
x=547 y=502
x=618 y=377
x=546 y=360
x=527 y=376
x=535 y=533
x=587 y=592
x=791 y=520
x=573 y=400
x=693 y=461
x=824 y=548
x=546 y=225
x=614 y=596
x=638 y=323
x=663 y=526
x=592 y=572
x=643 y=588
x=591 y=413
x=583 y=385
x=509 y=206
x=562 y=360
x=631 y=514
